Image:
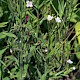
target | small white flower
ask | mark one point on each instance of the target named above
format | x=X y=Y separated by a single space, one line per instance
x=73 y=68
x=11 y=51
x=58 y=20
x=20 y=41
x=49 y=17
x=69 y=61
x=46 y=50
x=29 y=4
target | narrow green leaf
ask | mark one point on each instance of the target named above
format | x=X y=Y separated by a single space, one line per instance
x=2 y=51
x=54 y=7
x=3 y=24
x=9 y=34
x=2 y=62
x=77 y=29
x=78 y=55
x=39 y=73
x=18 y=8
x=50 y=54
x=74 y=17
x=2 y=35
x=31 y=14
x=13 y=58
x=57 y=74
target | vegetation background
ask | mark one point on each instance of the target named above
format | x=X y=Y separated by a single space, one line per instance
x=32 y=47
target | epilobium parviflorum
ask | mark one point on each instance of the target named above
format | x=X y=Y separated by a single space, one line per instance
x=58 y=20
x=41 y=45
x=49 y=17
x=29 y=4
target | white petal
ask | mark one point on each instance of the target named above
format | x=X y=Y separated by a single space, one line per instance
x=27 y=1
x=69 y=61
x=73 y=68
x=49 y=17
x=11 y=51
x=20 y=41
x=58 y=20
x=29 y=4
x=46 y=50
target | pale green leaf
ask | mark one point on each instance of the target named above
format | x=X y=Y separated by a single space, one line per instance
x=2 y=62
x=3 y=24
x=9 y=34
x=2 y=51
x=13 y=58
x=77 y=29
x=2 y=35
x=6 y=78
x=50 y=54
x=78 y=55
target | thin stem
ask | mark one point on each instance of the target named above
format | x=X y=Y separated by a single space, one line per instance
x=21 y=58
x=48 y=37
x=1 y=71
x=37 y=23
x=45 y=70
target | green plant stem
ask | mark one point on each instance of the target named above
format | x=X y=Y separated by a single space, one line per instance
x=21 y=63
x=21 y=66
x=48 y=37
x=37 y=23
x=58 y=32
x=59 y=36
x=45 y=70
x=1 y=72
x=21 y=58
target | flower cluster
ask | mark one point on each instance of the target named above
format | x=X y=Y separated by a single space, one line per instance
x=49 y=18
x=70 y=62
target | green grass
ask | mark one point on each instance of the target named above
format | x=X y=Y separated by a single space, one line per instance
x=33 y=47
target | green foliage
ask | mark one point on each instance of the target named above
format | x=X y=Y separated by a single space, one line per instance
x=38 y=49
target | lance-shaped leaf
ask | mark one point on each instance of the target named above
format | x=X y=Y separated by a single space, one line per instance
x=4 y=34
x=77 y=29
x=12 y=58
x=9 y=34
x=3 y=24
x=78 y=55
x=2 y=51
